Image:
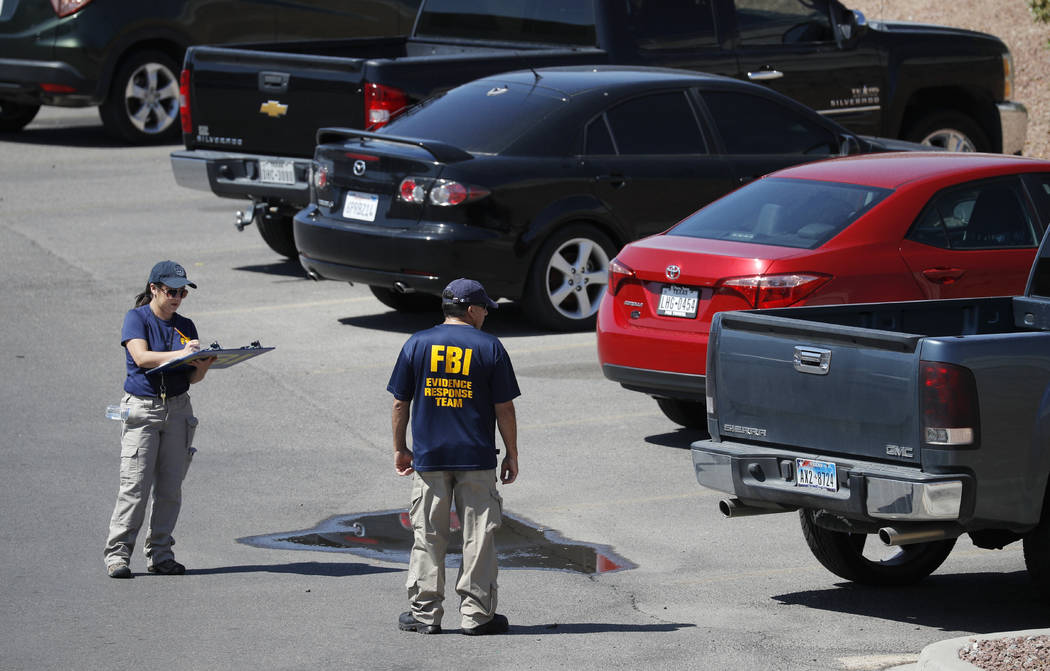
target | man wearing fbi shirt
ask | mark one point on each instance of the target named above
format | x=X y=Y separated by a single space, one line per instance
x=460 y=385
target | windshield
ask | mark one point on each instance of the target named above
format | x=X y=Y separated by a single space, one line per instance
x=481 y=117
x=782 y=212
x=568 y=22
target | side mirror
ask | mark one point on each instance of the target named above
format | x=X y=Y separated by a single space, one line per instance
x=849 y=26
x=848 y=144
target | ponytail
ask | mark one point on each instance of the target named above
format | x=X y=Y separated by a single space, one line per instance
x=145 y=297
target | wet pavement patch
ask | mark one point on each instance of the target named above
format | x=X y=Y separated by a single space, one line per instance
x=387 y=536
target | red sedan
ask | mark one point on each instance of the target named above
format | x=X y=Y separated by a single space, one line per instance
x=864 y=229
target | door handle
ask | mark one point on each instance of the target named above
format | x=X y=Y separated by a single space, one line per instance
x=764 y=75
x=943 y=275
x=616 y=180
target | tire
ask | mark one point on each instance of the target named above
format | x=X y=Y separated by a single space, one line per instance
x=842 y=554
x=950 y=131
x=143 y=102
x=15 y=117
x=276 y=231
x=567 y=279
x=414 y=302
x=1037 y=552
x=690 y=414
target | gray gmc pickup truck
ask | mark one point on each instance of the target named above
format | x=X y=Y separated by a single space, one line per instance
x=913 y=421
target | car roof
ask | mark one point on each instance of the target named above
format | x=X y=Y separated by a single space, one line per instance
x=892 y=170
x=573 y=80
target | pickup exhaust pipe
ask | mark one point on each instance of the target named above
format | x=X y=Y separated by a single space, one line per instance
x=736 y=508
x=924 y=534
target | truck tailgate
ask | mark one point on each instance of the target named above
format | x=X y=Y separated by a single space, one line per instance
x=268 y=102
x=852 y=390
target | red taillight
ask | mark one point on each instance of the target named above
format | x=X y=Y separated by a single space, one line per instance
x=440 y=192
x=773 y=291
x=184 y=102
x=948 y=402
x=67 y=7
x=380 y=104
x=619 y=272
x=448 y=193
x=57 y=88
x=412 y=191
x=320 y=176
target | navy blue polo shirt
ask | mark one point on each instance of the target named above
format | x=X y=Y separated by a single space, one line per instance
x=454 y=375
x=160 y=336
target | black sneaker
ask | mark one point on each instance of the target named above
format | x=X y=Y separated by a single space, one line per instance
x=408 y=623
x=167 y=567
x=119 y=570
x=497 y=625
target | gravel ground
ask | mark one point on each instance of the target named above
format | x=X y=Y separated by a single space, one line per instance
x=1024 y=653
x=1010 y=21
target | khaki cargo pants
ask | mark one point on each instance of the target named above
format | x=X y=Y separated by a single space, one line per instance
x=155 y=453
x=480 y=511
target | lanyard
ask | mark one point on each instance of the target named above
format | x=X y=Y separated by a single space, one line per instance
x=171 y=341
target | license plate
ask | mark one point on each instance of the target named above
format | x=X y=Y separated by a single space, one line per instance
x=818 y=474
x=277 y=172
x=676 y=301
x=360 y=206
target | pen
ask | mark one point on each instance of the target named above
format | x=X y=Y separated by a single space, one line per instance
x=182 y=335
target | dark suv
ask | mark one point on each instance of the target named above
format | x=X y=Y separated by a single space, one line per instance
x=125 y=55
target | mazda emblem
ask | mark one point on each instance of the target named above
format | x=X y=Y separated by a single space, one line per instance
x=359 y=168
x=673 y=272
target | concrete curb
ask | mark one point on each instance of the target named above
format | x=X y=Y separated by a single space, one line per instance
x=944 y=655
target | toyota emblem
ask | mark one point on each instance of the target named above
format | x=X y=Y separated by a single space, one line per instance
x=359 y=168
x=673 y=272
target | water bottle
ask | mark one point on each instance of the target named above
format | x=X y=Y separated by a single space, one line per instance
x=117 y=412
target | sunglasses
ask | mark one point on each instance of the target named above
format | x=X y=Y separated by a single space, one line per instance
x=176 y=293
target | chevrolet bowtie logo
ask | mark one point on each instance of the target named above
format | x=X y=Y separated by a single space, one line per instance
x=273 y=109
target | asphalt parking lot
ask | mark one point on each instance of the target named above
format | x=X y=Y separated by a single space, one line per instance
x=299 y=438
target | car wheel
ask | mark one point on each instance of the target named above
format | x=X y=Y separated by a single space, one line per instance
x=843 y=554
x=14 y=117
x=567 y=279
x=143 y=101
x=414 y=302
x=276 y=231
x=690 y=414
x=1037 y=552
x=949 y=131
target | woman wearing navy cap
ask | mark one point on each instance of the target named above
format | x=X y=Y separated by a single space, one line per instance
x=157 y=436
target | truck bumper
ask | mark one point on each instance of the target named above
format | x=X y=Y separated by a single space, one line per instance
x=233 y=175
x=1013 y=119
x=867 y=491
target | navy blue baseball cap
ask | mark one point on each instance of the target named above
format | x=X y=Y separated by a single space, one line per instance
x=170 y=274
x=467 y=292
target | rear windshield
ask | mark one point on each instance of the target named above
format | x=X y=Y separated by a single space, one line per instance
x=482 y=117
x=782 y=212
x=569 y=22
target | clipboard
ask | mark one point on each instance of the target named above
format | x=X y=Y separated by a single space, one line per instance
x=224 y=358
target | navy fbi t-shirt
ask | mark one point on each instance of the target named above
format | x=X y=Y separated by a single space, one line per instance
x=454 y=375
x=160 y=336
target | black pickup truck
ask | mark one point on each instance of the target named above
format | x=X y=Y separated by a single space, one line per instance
x=251 y=112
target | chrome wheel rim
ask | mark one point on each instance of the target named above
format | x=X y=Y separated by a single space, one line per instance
x=151 y=98
x=949 y=139
x=576 y=275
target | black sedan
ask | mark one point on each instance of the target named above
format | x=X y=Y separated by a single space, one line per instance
x=531 y=181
